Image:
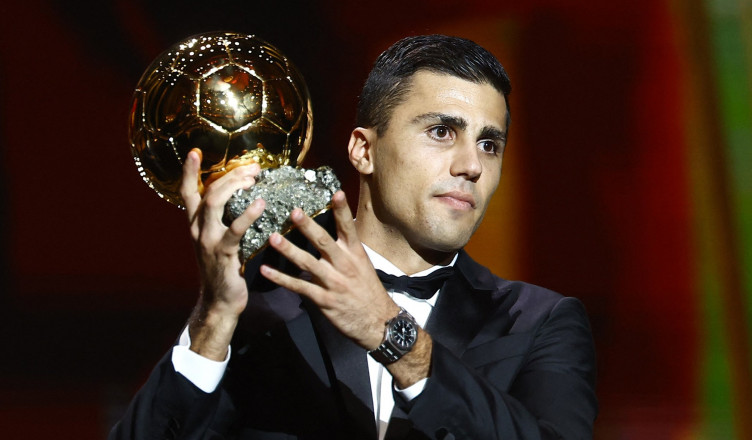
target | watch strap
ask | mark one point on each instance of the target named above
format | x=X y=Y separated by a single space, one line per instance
x=387 y=352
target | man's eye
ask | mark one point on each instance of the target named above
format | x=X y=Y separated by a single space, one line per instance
x=488 y=146
x=440 y=132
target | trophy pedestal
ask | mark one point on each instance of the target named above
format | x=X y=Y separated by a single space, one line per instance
x=283 y=189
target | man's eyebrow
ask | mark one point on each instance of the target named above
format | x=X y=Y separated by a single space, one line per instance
x=489 y=132
x=443 y=118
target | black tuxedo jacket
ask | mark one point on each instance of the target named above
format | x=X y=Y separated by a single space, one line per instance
x=510 y=361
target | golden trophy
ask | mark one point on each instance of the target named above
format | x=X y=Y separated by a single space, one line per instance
x=239 y=100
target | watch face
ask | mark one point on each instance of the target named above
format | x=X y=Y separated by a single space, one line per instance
x=404 y=334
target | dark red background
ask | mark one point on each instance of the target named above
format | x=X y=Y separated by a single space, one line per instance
x=99 y=274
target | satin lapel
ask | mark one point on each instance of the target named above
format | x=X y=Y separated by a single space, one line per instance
x=399 y=425
x=351 y=379
x=465 y=303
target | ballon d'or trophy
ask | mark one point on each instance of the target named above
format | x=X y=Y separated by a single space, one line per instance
x=239 y=100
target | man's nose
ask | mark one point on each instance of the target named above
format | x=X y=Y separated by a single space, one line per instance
x=465 y=162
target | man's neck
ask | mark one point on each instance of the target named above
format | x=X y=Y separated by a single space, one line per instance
x=395 y=248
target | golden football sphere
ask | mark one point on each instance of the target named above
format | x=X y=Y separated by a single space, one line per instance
x=234 y=96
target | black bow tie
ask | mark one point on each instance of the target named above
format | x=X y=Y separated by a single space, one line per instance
x=419 y=287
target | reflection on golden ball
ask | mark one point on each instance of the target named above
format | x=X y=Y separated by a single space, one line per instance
x=234 y=96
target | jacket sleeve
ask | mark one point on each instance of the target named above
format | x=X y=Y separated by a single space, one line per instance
x=549 y=395
x=168 y=406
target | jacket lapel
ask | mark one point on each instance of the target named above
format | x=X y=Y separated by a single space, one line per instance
x=464 y=305
x=350 y=378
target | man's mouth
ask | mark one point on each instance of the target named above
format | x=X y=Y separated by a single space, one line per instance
x=458 y=199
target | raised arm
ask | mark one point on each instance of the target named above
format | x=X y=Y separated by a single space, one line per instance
x=224 y=294
x=169 y=405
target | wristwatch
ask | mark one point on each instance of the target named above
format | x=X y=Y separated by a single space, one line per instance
x=399 y=338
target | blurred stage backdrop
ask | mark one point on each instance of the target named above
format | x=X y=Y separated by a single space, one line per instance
x=627 y=183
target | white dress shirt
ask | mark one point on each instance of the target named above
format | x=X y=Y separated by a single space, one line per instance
x=381 y=380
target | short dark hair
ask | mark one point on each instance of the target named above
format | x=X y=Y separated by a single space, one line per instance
x=390 y=77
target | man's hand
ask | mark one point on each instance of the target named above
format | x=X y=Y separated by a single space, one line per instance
x=224 y=294
x=344 y=286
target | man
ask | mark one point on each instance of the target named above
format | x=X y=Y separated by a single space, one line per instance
x=316 y=347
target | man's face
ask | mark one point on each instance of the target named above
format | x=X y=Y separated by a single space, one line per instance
x=439 y=161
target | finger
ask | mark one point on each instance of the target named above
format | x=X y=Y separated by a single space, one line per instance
x=219 y=192
x=189 y=182
x=240 y=225
x=317 y=235
x=345 y=225
x=292 y=283
x=240 y=177
x=297 y=256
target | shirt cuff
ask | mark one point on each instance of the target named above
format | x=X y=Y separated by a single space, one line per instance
x=413 y=390
x=200 y=371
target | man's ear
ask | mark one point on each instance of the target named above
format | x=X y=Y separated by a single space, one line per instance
x=359 y=149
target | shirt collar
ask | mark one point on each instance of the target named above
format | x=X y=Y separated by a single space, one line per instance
x=379 y=262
